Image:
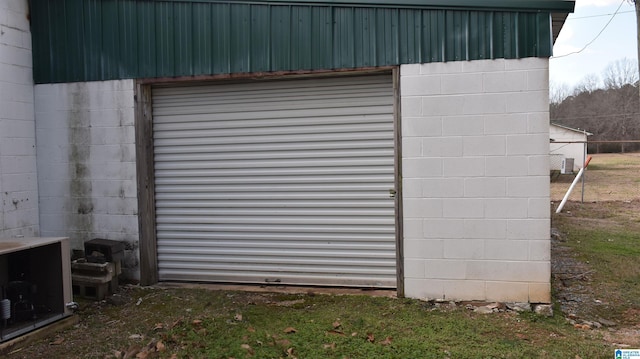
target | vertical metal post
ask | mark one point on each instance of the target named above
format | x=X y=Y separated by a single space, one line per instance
x=584 y=159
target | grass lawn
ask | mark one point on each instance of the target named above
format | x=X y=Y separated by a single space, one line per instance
x=201 y=323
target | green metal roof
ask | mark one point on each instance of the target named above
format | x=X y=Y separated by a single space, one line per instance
x=87 y=40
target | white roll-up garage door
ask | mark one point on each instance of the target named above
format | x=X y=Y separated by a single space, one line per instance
x=276 y=181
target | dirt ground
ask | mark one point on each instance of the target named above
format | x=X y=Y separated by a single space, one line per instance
x=609 y=177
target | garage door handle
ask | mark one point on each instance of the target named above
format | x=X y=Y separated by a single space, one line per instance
x=392 y=193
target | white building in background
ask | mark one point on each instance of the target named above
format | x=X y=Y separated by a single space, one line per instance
x=561 y=149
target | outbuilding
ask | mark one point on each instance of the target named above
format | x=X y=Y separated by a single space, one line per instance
x=391 y=144
x=567 y=145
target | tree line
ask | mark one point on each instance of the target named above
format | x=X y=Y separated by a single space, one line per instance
x=607 y=106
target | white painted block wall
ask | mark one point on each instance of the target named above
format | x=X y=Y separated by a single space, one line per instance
x=18 y=179
x=86 y=164
x=475 y=169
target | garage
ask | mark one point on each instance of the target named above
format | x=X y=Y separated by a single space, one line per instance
x=282 y=181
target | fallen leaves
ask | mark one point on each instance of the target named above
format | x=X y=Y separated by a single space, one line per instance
x=329 y=346
x=386 y=341
x=57 y=341
x=290 y=330
x=371 y=338
x=148 y=351
x=248 y=348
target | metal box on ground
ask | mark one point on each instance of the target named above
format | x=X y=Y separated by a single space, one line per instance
x=567 y=166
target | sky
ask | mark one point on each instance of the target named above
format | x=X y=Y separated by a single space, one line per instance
x=617 y=41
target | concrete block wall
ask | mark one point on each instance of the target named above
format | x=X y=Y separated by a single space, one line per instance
x=86 y=164
x=475 y=177
x=18 y=178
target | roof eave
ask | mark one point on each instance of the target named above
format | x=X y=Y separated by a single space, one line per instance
x=560 y=6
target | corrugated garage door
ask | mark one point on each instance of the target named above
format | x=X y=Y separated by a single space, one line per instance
x=280 y=181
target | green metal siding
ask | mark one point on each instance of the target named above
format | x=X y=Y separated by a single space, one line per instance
x=86 y=40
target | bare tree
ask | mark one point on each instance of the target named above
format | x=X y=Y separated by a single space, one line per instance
x=589 y=83
x=620 y=73
x=637 y=3
x=558 y=92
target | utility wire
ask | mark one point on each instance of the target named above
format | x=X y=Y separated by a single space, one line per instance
x=596 y=116
x=600 y=15
x=597 y=36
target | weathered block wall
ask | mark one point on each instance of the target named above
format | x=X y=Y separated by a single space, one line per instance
x=86 y=164
x=475 y=142
x=18 y=179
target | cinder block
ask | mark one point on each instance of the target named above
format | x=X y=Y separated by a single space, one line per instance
x=409 y=70
x=22 y=182
x=412 y=228
x=530 y=271
x=424 y=289
x=421 y=126
x=411 y=106
x=433 y=68
x=496 y=65
x=511 y=271
x=538 y=122
x=442 y=147
x=533 y=144
x=538 y=165
x=508 y=166
x=422 y=208
x=506 y=250
x=530 y=101
x=464 y=248
x=501 y=82
x=484 y=145
x=539 y=250
x=414 y=268
x=11 y=37
x=424 y=248
x=464 y=167
x=485 y=228
x=459 y=290
x=18 y=164
x=444 y=105
x=470 y=125
x=531 y=186
x=485 y=270
x=411 y=147
x=532 y=229
x=445 y=269
x=485 y=187
x=537 y=79
x=506 y=208
x=424 y=85
x=412 y=188
x=443 y=188
x=463 y=208
x=540 y=292
x=421 y=167
x=464 y=83
x=17 y=128
x=16 y=146
x=527 y=64
x=507 y=291
x=485 y=104
x=434 y=228
x=538 y=208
